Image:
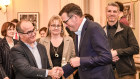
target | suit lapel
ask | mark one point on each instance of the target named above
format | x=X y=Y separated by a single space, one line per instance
x=83 y=33
x=47 y=45
x=29 y=54
x=76 y=45
x=42 y=56
x=66 y=45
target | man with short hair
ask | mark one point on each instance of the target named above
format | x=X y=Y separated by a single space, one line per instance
x=92 y=49
x=122 y=42
x=29 y=58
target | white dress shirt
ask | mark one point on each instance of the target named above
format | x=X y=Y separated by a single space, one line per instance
x=79 y=31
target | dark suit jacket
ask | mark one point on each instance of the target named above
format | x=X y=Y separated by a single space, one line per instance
x=5 y=63
x=24 y=62
x=94 y=53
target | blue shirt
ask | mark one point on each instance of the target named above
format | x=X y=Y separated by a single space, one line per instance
x=36 y=55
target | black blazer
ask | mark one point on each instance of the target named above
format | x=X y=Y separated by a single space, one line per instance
x=5 y=63
x=24 y=62
x=94 y=53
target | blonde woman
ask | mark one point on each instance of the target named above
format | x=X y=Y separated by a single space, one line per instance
x=60 y=46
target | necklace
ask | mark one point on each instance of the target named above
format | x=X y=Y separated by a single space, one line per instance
x=56 y=51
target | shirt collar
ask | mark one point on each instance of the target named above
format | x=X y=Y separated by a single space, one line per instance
x=80 y=28
x=114 y=26
x=35 y=44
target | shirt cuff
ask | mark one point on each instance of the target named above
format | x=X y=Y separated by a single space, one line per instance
x=46 y=73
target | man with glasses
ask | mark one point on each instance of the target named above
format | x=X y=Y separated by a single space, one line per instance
x=29 y=58
x=92 y=49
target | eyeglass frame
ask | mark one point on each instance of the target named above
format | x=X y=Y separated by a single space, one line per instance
x=54 y=26
x=68 y=19
x=29 y=32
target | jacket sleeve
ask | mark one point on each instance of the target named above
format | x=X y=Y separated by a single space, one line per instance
x=22 y=65
x=68 y=70
x=2 y=72
x=72 y=48
x=131 y=42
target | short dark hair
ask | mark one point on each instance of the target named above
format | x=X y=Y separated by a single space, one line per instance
x=43 y=29
x=15 y=20
x=70 y=9
x=5 y=27
x=120 y=5
x=113 y=4
x=90 y=17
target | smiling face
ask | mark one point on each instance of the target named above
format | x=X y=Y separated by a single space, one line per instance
x=112 y=14
x=55 y=27
x=29 y=32
x=10 y=32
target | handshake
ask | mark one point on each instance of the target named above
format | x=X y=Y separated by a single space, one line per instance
x=56 y=72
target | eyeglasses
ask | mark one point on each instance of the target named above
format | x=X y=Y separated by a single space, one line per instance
x=29 y=33
x=54 y=26
x=67 y=20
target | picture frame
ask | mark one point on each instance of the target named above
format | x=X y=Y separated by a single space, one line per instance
x=134 y=0
x=33 y=17
x=129 y=13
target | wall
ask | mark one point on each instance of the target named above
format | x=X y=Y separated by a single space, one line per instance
x=46 y=9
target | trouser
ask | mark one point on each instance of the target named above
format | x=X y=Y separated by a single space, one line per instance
x=123 y=77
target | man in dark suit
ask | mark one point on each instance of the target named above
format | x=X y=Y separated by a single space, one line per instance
x=92 y=49
x=29 y=58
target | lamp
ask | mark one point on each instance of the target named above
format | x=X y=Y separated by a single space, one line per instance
x=0 y=7
x=4 y=4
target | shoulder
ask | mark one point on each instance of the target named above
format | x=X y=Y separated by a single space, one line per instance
x=3 y=42
x=94 y=28
x=68 y=38
x=44 y=39
x=18 y=46
x=93 y=25
x=40 y=45
x=15 y=41
x=125 y=27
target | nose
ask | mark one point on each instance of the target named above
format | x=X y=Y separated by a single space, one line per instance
x=56 y=27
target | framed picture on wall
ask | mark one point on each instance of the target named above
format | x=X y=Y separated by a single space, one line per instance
x=129 y=13
x=30 y=16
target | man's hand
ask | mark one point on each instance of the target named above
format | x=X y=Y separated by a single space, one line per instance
x=114 y=53
x=75 y=62
x=56 y=72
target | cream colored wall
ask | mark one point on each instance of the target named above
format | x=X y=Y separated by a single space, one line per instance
x=46 y=8
x=97 y=10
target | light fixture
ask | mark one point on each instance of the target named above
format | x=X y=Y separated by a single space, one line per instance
x=0 y=7
x=4 y=4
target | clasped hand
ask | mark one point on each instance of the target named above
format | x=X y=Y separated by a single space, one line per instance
x=56 y=72
x=115 y=57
